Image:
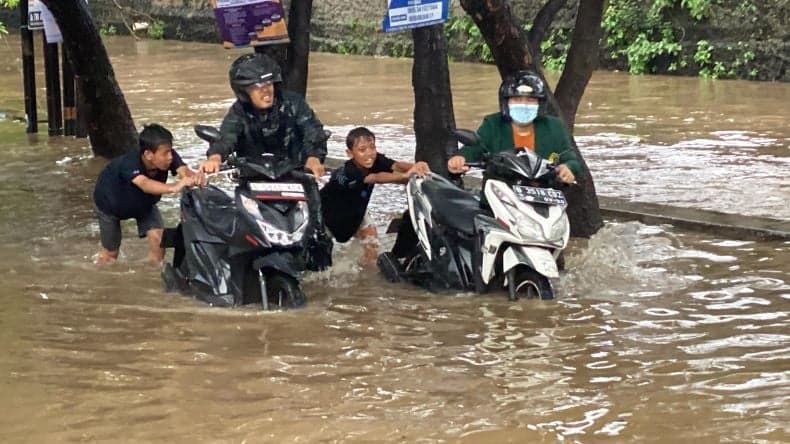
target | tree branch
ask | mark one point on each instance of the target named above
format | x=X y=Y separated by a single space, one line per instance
x=541 y=24
x=582 y=58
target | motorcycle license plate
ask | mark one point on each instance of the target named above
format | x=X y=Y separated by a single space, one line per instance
x=548 y=196
x=277 y=190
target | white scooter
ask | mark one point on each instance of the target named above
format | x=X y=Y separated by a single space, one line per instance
x=461 y=245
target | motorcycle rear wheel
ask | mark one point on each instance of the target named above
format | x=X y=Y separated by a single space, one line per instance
x=284 y=292
x=529 y=284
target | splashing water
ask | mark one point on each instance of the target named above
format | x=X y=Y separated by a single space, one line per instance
x=622 y=258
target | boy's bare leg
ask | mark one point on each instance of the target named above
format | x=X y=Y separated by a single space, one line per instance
x=156 y=254
x=368 y=236
x=106 y=256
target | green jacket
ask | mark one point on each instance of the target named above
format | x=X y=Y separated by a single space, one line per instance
x=550 y=138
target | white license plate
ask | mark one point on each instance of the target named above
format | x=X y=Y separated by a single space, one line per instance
x=276 y=187
x=539 y=195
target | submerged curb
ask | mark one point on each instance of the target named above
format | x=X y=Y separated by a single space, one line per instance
x=711 y=222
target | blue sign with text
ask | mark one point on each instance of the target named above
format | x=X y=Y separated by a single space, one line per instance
x=407 y=14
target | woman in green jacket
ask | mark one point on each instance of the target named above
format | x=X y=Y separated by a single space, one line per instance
x=518 y=124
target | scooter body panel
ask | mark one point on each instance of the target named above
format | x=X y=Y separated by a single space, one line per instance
x=539 y=259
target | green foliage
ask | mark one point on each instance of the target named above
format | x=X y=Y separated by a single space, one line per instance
x=463 y=28
x=554 y=49
x=108 y=30
x=401 y=49
x=711 y=68
x=698 y=9
x=10 y=4
x=357 y=39
x=156 y=30
x=640 y=31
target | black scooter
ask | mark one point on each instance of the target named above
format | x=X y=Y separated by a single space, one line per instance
x=252 y=245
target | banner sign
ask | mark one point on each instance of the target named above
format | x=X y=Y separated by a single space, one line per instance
x=250 y=22
x=407 y=14
x=40 y=18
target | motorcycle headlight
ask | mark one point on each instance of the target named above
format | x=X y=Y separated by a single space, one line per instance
x=273 y=234
x=251 y=206
x=527 y=227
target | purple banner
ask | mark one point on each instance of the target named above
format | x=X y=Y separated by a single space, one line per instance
x=250 y=22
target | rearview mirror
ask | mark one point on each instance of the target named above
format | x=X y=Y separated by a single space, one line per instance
x=208 y=133
x=465 y=136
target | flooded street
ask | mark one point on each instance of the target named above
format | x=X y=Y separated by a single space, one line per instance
x=657 y=334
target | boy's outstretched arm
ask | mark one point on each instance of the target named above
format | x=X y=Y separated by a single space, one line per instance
x=385 y=177
x=401 y=171
x=151 y=186
x=408 y=168
x=198 y=176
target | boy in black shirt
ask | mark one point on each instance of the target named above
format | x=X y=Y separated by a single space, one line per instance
x=131 y=185
x=344 y=200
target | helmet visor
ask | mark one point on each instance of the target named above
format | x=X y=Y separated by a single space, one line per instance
x=259 y=85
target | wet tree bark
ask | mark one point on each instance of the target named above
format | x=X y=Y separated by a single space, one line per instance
x=299 y=17
x=512 y=52
x=582 y=58
x=433 y=101
x=110 y=126
x=502 y=33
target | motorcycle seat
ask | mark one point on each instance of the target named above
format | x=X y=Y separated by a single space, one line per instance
x=452 y=206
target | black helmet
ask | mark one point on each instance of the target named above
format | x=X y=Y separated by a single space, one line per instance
x=250 y=69
x=522 y=84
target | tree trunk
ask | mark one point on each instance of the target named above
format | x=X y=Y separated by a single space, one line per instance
x=582 y=58
x=510 y=48
x=502 y=32
x=541 y=24
x=293 y=57
x=299 y=17
x=433 y=100
x=110 y=126
x=581 y=62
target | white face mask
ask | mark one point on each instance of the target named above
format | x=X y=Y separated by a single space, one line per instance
x=523 y=113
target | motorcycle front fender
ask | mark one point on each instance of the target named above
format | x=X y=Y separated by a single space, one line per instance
x=283 y=261
x=539 y=259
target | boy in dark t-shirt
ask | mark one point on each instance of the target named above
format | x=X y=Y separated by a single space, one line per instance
x=131 y=185
x=344 y=200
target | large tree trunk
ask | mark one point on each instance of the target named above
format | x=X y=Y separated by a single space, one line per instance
x=511 y=51
x=433 y=101
x=299 y=49
x=110 y=126
x=581 y=62
x=582 y=58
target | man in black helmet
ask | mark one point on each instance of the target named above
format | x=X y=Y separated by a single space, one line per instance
x=521 y=123
x=267 y=119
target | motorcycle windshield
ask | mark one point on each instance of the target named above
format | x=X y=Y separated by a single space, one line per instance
x=264 y=167
x=523 y=164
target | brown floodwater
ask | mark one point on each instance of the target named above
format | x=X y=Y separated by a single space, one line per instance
x=657 y=334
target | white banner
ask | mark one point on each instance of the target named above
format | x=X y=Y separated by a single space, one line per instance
x=39 y=17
